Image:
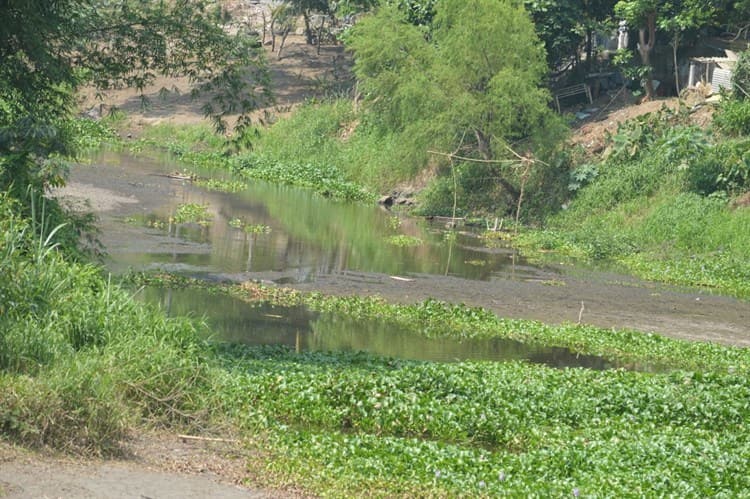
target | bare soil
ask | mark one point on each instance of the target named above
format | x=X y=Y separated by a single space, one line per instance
x=153 y=465
x=299 y=72
x=592 y=132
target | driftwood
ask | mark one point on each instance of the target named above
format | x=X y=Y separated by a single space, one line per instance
x=208 y=439
x=404 y=279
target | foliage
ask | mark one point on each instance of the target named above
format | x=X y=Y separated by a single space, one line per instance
x=741 y=77
x=458 y=90
x=324 y=179
x=50 y=49
x=418 y=12
x=404 y=241
x=80 y=363
x=565 y=26
x=733 y=116
x=674 y=17
x=213 y=184
x=658 y=205
x=192 y=213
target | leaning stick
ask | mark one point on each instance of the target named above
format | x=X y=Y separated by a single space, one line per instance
x=208 y=439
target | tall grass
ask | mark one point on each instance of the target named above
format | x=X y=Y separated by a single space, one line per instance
x=331 y=134
x=80 y=362
x=660 y=205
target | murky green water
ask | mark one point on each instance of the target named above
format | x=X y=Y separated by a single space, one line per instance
x=308 y=235
x=316 y=244
x=236 y=321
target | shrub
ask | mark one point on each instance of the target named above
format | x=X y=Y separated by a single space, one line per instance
x=741 y=76
x=733 y=116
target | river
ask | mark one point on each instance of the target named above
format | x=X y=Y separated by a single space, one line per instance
x=314 y=243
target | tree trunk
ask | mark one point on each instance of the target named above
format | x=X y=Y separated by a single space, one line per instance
x=675 y=44
x=273 y=34
x=284 y=34
x=320 y=34
x=647 y=38
x=308 y=30
x=483 y=144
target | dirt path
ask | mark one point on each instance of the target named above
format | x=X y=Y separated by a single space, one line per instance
x=156 y=466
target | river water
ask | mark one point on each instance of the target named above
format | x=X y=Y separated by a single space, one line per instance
x=315 y=243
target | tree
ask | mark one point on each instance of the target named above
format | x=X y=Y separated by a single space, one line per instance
x=672 y=16
x=558 y=24
x=307 y=8
x=474 y=86
x=48 y=49
x=689 y=15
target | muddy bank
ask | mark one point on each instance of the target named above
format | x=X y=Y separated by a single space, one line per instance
x=339 y=261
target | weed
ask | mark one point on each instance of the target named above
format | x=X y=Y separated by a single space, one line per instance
x=192 y=213
x=405 y=241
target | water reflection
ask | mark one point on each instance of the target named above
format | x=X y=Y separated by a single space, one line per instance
x=261 y=324
x=309 y=234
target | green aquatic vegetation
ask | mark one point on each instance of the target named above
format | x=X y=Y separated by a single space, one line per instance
x=213 y=184
x=257 y=229
x=436 y=319
x=192 y=213
x=405 y=241
x=494 y=428
x=476 y=263
x=325 y=179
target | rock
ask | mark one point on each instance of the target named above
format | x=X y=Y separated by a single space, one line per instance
x=386 y=200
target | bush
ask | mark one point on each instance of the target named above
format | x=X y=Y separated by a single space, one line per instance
x=741 y=76
x=724 y=167
x=80 y=361
x=733 y=116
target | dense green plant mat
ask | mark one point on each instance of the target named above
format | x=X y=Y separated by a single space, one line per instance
x=357 y=424
x=210 y=154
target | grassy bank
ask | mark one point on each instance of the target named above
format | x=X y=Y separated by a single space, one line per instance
x=198 y=147
x=665 y=202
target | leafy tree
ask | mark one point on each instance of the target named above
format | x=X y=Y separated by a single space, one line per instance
x=559 y=26
x=473 y=86
x=48 y=49
x=673 y=16
x=307 y=8
x=418 y=12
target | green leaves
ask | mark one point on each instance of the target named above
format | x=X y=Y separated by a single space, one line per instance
x=50 y=49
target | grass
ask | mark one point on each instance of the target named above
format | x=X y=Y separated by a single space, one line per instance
x=660 y=206
x=80 y=363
